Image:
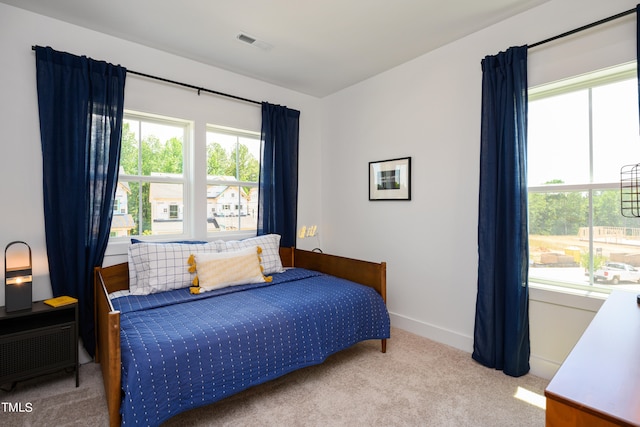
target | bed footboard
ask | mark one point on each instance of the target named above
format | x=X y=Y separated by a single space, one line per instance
x=108 y=336
x=371 y=274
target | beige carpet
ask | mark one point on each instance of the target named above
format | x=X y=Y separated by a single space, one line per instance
x=418 y=382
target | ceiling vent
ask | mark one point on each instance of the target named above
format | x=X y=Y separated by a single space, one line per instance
x=245 y=38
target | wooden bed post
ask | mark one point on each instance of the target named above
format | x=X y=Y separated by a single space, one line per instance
x=287 y=256
x=108 y=340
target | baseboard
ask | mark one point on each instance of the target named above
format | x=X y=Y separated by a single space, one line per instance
x=540 y=367
x=433 y=332
x=543 y=368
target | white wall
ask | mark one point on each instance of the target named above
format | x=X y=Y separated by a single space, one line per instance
x=429 y=109
x=20 y=153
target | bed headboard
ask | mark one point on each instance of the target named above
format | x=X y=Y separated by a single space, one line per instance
x=116 y=277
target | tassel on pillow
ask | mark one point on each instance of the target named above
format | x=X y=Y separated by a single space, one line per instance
x=192 y=263
x=195 y=289
x=267 y=279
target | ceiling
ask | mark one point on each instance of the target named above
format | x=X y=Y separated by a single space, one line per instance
x=316 y=47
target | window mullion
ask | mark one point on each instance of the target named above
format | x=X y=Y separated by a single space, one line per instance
x=140 y=209
x=238 y=159
x=590 y=213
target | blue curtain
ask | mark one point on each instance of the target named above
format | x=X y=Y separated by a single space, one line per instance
x=278 y=199
x=501 y=335
x=80 y=102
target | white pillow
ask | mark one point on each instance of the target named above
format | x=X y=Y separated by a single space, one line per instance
x=161 y=267
x=221 y=245
x=219 y=270
x=270 y=244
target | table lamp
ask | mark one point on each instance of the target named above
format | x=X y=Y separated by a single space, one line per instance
x=17 y=277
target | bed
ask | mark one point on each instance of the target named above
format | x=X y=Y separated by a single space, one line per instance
x=169 y=352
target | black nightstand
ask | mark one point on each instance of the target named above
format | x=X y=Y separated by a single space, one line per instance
x=38 y=341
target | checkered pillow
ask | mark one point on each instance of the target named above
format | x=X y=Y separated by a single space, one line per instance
x=270 y=244
x=133 y=277
x=157 y=267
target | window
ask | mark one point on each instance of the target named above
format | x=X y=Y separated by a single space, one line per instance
x=173 y=212
x=581 y=132
x=155 y=183
x=152 y=182
x=233 y=168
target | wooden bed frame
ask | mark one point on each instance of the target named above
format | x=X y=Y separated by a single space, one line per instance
x=116 y=278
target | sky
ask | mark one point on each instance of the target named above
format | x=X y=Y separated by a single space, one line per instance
x=558 y=135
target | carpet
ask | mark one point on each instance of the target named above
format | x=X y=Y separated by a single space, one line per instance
x=418 y=382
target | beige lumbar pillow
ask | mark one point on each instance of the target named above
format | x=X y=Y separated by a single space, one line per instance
x=219 y=270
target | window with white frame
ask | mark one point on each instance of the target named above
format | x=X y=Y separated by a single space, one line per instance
x=152 y=180
x=233 y=168
x=581 y=132
x=152 y=195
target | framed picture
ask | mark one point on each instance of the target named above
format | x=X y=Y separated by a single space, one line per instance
x=390 y=179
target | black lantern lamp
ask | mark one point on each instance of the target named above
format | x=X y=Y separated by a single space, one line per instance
x=17 y=278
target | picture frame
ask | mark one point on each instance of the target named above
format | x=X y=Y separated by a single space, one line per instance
x=390 y=179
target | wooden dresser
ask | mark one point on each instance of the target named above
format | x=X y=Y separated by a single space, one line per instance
x=599 y=382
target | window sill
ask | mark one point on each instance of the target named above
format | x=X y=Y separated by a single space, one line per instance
x=120 y=246
x=567 y=297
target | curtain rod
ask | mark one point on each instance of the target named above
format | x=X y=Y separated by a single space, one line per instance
x=187 y=85
x=584 y=27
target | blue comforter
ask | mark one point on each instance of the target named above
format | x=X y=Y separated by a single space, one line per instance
x=181 y=351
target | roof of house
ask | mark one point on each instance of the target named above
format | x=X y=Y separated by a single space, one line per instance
x=122 y=221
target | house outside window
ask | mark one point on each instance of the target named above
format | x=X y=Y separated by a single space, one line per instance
x=122 y=222
x=581 y=132
x=233 y=168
